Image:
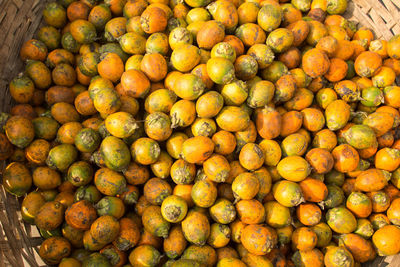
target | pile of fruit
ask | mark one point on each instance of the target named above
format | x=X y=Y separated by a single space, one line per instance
x=197 y=133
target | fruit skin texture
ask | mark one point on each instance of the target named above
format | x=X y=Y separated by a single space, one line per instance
x=185 y=57
x=380 y=122
x=320 y=159
x=276 y=215
x=61 y=157
x=189 y=87
x=173 y=205
x=258 y=239
x=154 y=222
x=367 y=64
x=34 y=50
x=346 y=158
x=217 y=168
x=54 y=249
x=109 y=182
x=269 y=17
x=309 y=214
x=223 y=211
x=280 y=40
x=83 y=31
x=313 y=190
x=360 y=136
x=294 y=168
x=121 y=124
x=359 y=204
x=114 y=62
x=204 y=193
x=197 y=149
x=135 y=83
x=201 y=254
x=156 y=190
x=304 y=239
x=393 y=47
x=17 y=179
x=50 y=215
x=347 y=90
x=287 y=193
x=55 y=15
x=154 y=66
x=337 y=70
x=309 y=258
x=115 y=153
x=268 y=123
x=372 y=180
x=175 y=244
x=144 y=255
x=81 y=215
x=233 y=119
x=105 y=229
x=196 y=228
x=209 y=104
x=182 y=113
x=153 y=19
x=220 y=70
x=341 y=220
x=251 y=156
x=250 y=211
x=393 y=212
x=19 y=131
x=338 y=256
x=245 y=186
x=30 y=206
x=386 y=240
x=261 y=93
x=315 y=63
x=230 y=262
x=361 y=249
x=337 y=115
x=210 y=34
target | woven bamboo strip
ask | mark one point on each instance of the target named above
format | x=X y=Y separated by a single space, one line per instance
x=380 y=16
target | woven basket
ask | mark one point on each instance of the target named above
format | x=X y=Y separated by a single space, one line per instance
x=20 y=19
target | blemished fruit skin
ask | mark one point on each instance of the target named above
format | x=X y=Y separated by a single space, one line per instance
x=204 y=133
